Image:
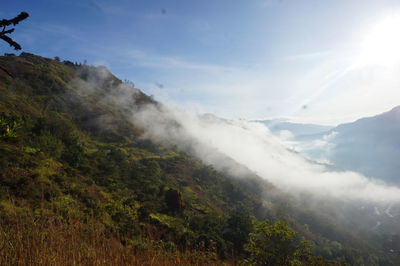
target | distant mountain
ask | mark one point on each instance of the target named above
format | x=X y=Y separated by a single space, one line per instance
x=369 y=145
x=297 y=129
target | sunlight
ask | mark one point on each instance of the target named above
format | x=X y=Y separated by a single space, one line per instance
x=381 y=46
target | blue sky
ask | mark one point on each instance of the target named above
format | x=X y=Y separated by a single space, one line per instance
x=249 y=59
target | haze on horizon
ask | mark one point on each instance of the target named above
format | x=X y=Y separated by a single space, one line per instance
x=308 y=61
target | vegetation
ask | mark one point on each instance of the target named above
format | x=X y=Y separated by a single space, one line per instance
x=278 y=244
x=80 y=185
x=51 y=242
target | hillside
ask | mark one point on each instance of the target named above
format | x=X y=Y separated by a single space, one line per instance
x=76 y=167
x=369 y=145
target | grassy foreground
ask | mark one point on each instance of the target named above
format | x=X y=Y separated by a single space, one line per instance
x=51 y=242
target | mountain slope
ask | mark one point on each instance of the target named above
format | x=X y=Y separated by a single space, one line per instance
x=369 y=145
x=69 y=153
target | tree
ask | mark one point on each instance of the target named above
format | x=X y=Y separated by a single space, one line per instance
x=276 y=245
x=239 y=226
x=173 y=199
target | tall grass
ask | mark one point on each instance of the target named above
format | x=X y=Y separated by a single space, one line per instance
x=47 y=242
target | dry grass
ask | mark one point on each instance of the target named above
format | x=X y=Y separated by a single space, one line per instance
x=61 y=243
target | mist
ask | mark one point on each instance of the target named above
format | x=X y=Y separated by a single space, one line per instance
x=218 y=142
x=252 y=145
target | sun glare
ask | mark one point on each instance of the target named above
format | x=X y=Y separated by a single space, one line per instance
x=381 y=46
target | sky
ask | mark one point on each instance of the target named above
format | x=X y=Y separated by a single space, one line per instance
x=324 y=62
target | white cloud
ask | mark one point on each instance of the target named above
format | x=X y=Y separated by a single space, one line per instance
x=250 y=144
x=318 y=150
x=285 y=135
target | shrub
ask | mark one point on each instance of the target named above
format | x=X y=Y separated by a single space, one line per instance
x=276 y=244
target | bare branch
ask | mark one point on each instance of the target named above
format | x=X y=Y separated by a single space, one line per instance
x=11 y=42
x=14 y=21
x=7 y=22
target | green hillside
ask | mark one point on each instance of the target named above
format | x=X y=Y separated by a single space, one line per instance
x=80 y=184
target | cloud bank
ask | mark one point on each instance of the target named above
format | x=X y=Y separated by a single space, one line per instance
x=219 y=141
x=252 y=145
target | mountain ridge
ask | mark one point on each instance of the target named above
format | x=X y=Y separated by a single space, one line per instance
x=369 y=145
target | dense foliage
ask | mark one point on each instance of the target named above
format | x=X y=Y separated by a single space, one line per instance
x=278 y=244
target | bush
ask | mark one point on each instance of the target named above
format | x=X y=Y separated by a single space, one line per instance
x=8 y=127
x=276 y=244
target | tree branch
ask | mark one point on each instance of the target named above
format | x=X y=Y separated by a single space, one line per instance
x=11 y=42
x=7 y=22
x=14 y=21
